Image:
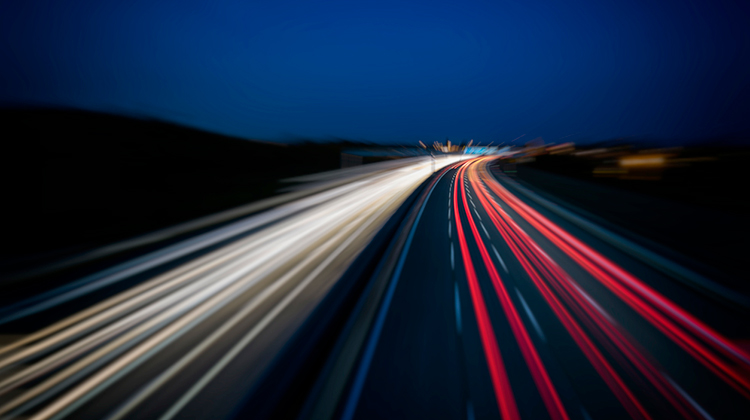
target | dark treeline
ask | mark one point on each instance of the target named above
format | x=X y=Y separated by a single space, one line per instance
x=72 y=180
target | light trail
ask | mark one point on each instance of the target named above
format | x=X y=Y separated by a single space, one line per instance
x=245 y=299
x=594 y=352
x=533 y=361
x=597 y=359
x=719 y=354
x=55 y=371
x=592 y=315
x=501 y=385
x=586 y=321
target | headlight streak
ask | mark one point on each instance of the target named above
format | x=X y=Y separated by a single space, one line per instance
x=139 y=296
x=188 y=293
x=91 y=350
x=139 y=265
x=212 y=283
x=267 y=292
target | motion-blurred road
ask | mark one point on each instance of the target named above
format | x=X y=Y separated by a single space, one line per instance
x=485 y=302
x=506 y=309
x=201 y=333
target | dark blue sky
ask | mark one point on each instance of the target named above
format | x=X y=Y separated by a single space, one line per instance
x=389 y=71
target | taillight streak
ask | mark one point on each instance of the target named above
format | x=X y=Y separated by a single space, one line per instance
x=707 y=346
x=598 y=361
x=616 y=341
x=501 y=384
x=539 y=373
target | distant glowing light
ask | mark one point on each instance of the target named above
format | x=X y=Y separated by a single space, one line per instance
x=643 y=160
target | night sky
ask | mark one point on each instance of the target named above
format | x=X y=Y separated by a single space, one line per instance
x=390 y=71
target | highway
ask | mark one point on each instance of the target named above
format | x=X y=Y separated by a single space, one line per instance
x=434 y=289
x=502 y=309
x=169 y=343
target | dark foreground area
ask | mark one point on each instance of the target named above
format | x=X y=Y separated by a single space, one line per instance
x=73 y=179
